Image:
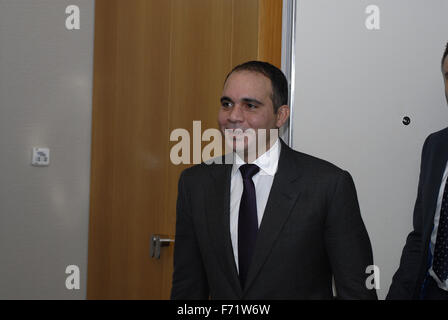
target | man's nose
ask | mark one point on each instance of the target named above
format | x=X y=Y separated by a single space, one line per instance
x=236 y=114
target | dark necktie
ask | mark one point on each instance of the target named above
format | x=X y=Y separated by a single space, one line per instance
x=440 y=263
x=247 y=221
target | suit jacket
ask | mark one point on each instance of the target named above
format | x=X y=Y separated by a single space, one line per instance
x=311 y=229
x=410 y=278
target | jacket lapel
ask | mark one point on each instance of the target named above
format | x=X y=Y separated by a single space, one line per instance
x=438 y=165
x=218 y=216
x=284 y=193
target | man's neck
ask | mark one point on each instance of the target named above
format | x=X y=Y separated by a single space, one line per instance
x=249 y=158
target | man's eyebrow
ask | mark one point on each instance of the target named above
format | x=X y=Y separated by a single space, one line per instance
x=251 y=100
x=224 y=98
x=245 y=100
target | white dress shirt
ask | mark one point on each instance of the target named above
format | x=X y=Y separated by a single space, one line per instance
x=442 y=285
x=268 y=163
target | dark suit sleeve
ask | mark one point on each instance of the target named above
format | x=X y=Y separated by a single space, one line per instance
x=347 y=242
x=189 y=277
x=405 y=279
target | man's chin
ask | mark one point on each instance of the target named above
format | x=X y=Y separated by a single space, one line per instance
x=238 y=146
x=245 y=151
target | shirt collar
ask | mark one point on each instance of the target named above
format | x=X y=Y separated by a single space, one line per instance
x=267 y=162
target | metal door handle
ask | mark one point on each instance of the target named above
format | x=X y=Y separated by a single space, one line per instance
x=157 y=242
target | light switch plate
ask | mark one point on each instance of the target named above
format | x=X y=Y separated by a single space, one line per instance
x=41 y=157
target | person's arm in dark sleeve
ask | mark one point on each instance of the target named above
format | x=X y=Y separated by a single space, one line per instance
x=189 y=277
x=347 y=242
x=405 y=279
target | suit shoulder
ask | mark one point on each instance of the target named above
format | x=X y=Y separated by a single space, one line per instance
x=194 y=171
x=436 y=140
x=441 y=134
x=201 y=170
x=318 y=174
x=316 y=165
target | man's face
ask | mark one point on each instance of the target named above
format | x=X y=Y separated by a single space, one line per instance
x=246 y=104
x=445 y=76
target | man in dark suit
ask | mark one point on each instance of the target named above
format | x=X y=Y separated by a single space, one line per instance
x=423 y=270
x=279 y=227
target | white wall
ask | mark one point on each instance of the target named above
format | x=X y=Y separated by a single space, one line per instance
x=45 y=100
x=353 y=88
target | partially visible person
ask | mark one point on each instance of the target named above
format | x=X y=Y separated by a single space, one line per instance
x=423 y=271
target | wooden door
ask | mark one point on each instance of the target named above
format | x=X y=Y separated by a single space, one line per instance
x=158 y=65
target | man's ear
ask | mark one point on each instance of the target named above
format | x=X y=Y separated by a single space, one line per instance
x=282 y=115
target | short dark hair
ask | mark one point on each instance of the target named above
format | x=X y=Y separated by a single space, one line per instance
x=445 y=53
x=278 y=80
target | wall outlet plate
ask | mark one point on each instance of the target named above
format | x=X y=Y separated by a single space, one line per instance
x=41 y=157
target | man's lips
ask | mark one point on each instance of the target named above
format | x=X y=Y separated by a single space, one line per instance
x=238 y=130
x=239 y=134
